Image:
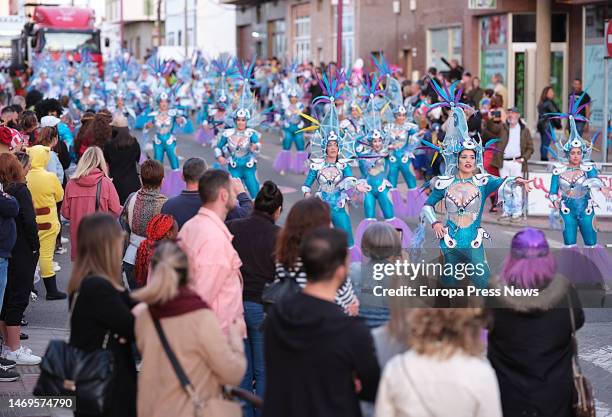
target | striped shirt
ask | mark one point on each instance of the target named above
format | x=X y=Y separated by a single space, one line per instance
x=345 y=295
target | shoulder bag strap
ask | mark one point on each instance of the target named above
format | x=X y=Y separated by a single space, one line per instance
x=575 y=362
x=178 y=370
x=414 y=387
x=130 y=208
x=98 y=192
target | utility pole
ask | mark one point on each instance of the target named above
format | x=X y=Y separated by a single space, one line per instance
x=339 y=37
x=157 y=24
x=121 y=23
x=186 y=32
x=195 y=24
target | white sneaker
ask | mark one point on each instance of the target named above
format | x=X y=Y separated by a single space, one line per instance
x=64 y=240
x=6 y=350
x=23 y=356
x=56 y=267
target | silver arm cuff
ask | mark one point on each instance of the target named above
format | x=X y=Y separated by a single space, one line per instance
x=218 y=153
x=306 y=189
x=428 y=213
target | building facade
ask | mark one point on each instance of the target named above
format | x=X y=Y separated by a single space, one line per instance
x=140 y=24
x=485 y=36
x=205 y=24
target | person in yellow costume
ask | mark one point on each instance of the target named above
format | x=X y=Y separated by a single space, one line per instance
x=46 y=192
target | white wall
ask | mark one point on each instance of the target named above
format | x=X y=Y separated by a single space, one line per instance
x=216 y=27
x=175 y=21
x=133 y=10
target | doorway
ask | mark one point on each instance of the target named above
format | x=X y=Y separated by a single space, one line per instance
x=522 y=91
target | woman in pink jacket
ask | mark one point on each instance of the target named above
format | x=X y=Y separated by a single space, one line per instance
x=89 y=190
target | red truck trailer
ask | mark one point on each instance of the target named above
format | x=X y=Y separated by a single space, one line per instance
x=57 y=30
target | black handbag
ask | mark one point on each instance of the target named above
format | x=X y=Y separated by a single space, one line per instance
x=279 y=290
x=68 y=371
x=584 y=399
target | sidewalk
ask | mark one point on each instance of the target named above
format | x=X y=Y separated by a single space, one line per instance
x=22 y=388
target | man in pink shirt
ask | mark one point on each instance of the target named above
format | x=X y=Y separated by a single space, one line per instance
x=214 y=263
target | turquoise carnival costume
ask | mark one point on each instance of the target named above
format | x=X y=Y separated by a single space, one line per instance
x=240 y=146
x=403 y=142
x=163 y=123
x=164 y=144
x=292 y=124
x=464 y=199
x=572 y=186
x=335 y=178
x=221 y=69
x=374 y=165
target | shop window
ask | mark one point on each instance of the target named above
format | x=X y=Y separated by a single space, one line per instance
x=443 y=43
x=301 y=38
x=524 y=27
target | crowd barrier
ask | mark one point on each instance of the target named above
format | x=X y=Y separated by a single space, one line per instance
x=537 y=200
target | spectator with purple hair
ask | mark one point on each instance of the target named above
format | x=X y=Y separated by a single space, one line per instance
x=530 y=342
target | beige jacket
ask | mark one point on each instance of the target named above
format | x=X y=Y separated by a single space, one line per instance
x=207 y=356
x=460 y=386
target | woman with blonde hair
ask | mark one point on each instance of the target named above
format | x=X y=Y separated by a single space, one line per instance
x=446 y=359
x=208 y=358
x=101 y=315
x=88 y=191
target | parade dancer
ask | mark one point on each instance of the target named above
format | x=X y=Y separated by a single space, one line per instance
x=572 y=185
x=331 y=151
x=238 y=147
x=223 y=69
x=356 y=121
x=403 y=143
x=463 y=189
x=87 y=100
x=163 y=122
x=292 y=134
x=120 y=108
x=184 y=98
x=374 y=166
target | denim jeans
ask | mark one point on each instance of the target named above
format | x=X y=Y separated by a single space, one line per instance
x=544 y=144
x=3 y=278
x=254 y=379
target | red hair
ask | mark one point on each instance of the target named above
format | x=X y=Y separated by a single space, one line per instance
x=158 y=229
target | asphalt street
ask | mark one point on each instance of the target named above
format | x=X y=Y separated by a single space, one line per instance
x=595 y=338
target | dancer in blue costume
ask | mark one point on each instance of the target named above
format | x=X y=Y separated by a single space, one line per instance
x=572 y=185
x=163 y=122
x=331 y=151
x=463 y=189
x=222 y=69
x=184 y=97
x=238 y=147
x=403 y=142
x=374 y=165
x=292 y=124
x=145 y=85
